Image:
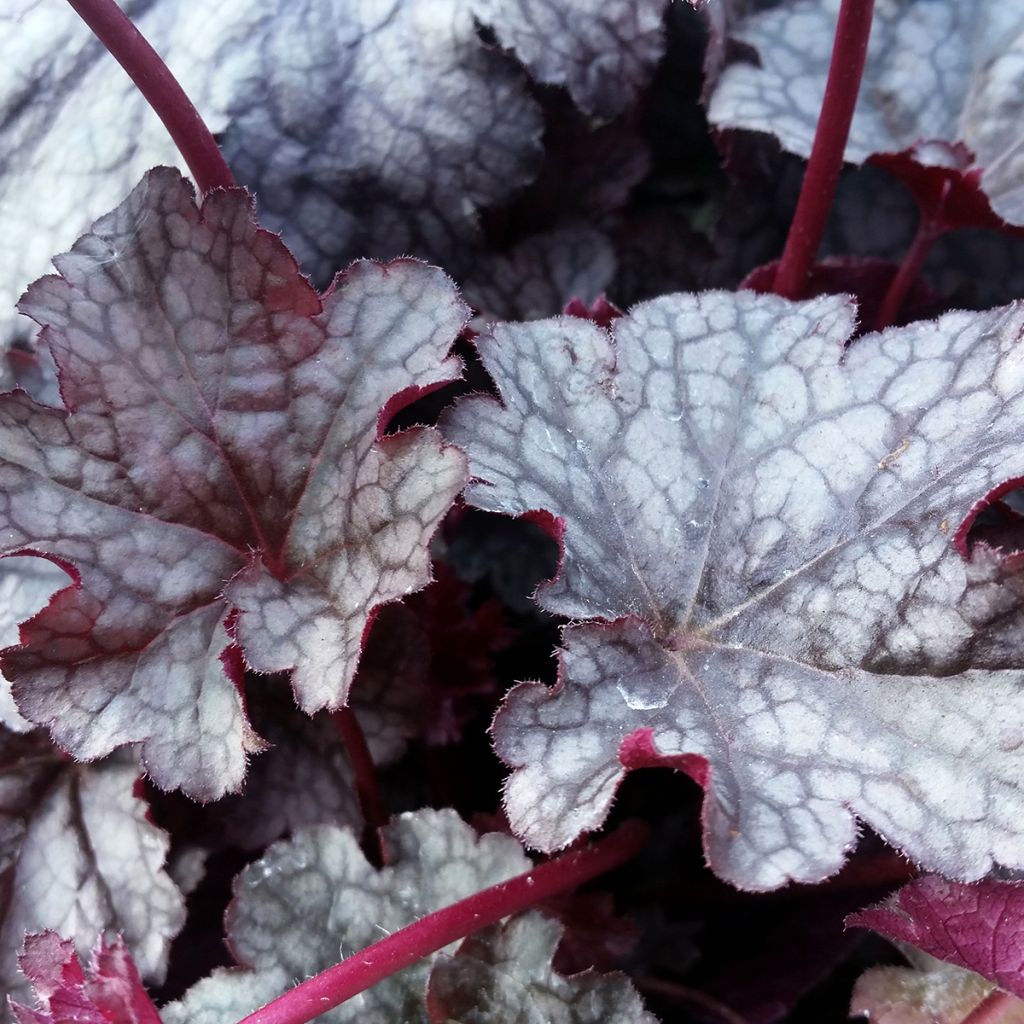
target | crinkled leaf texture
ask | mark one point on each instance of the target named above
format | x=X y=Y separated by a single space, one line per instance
x=930 y=992
x=366 y=127
x=313 y=900
x=937 y=71
x=503 y=975
x=538 y=275
x=604 y=54
x=109 y=991
x=222 y=452
x=763 y=536
x=78 y=855
x=979 y=926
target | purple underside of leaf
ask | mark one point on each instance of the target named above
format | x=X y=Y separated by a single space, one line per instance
x=763 y=535
x=108 y=991
x=942 y=70
x=79 y=856
x=221 y=453
x=979 y=926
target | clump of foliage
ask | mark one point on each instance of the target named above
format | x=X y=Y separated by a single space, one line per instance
x=531 y=531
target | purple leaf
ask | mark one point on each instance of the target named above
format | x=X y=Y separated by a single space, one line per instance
x=79 y=855
x=943 y=71
x=979 y=926
x=763 y=536
x=504 y=974
x=108 y=992
x=315 y=899
x=221 y=457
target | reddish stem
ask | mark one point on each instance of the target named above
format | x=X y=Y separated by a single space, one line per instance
x=849 y=51
x=365 y=771
x=931 y=226
x=993 y=1008
x=359 y=972
x=685 y=995
x=909 y=270
x=161 y=89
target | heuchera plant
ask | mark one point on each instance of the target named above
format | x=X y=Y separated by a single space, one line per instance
x=532 y=531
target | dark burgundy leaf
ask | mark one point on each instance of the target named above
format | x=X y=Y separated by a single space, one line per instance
x=108 y=991
x=979 y=926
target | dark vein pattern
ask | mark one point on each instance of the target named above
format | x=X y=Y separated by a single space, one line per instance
x=767 y=534
x=949 y=70
x=365 y=128
x=602 y=53
x=223 y=434
x=313 y=900
x=504 y=975
x=78 y=855
x=541 y=274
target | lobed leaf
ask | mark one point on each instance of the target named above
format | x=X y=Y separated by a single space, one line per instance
x=313 y=900
x=603 y=55
x=108 y=992
x=938 y=71
x=220 y=465
x=979 y=927
x=365 y=128
x=79 y=855
x=504 y=975
x=762 y=534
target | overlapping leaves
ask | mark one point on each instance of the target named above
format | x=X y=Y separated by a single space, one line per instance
x=107 y=991
x=220 y=474
x=763 y=534
x=938 y=71
x=315 y=899
x=504 y=974
x=79 y=855
x=366 y=128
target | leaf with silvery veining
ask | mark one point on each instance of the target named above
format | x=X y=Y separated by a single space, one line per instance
x=938 y=71
x=504 y=975
x=314 y=899
x=220 y=478
x=79 y=855
x=767 y=540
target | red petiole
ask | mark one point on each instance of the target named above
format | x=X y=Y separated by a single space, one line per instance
x=849 y=52
x=161 y=89
x=359 y=972
x=367 y=786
